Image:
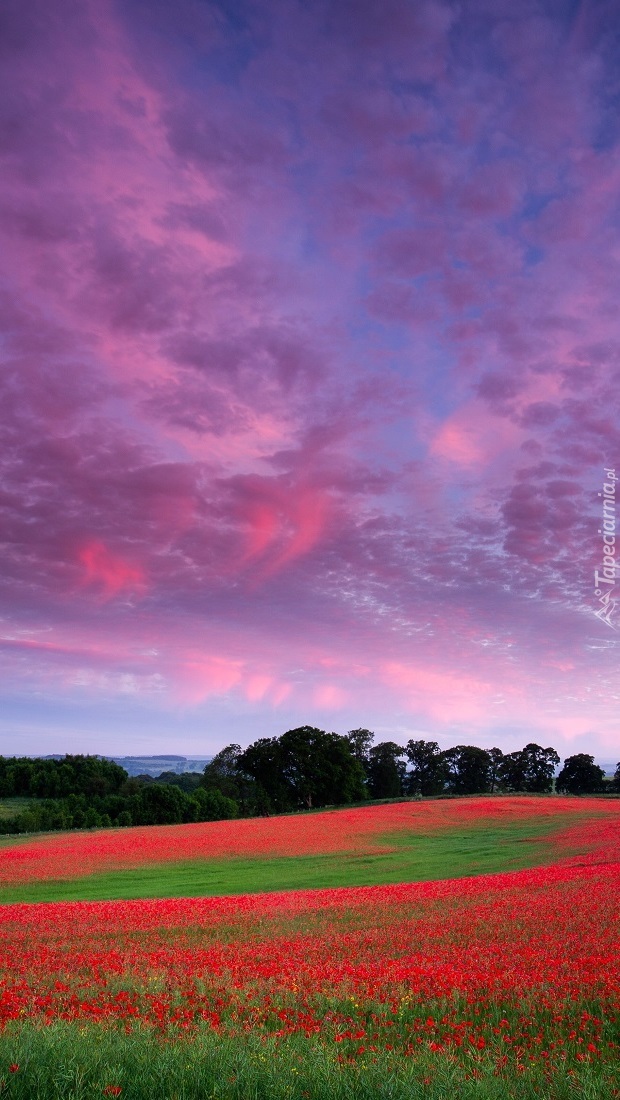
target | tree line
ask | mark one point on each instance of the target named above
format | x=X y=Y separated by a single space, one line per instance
x=304 y=768
x=307 y=767
x=88 y=792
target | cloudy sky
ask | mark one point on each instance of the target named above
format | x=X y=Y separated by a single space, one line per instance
x=311 y=371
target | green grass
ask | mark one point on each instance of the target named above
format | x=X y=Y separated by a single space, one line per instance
x=11 y=807
x=76 y=1061
x=483 y=849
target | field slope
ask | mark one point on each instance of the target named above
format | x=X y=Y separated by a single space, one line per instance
x=482 y=986
x=371 y=845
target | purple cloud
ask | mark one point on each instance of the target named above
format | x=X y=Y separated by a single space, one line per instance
x=311 y=367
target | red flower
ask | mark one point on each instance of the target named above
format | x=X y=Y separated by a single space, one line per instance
x=79 y=853
x=448 y=967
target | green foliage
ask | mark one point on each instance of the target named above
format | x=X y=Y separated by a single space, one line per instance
x=496 y=758
x=319 y=768
x=82 y=1061
x=305 y=767
x=223 y=771
x=11 y=807
x=162 y=805
x=185 y=781
x=263 y=762
x=360 y=741
x=212 y=805
x=386 y=770
x=530 y=769
x=428 y=772
x=224 y=774
x=37 y=778
x=468 y=770
x=99 y=794
x=580 y=775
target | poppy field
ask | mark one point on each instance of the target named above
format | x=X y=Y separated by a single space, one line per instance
x=368 y=845
x=488 y=985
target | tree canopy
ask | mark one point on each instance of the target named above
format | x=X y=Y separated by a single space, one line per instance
x=427 y=775
x=530 y=769
x=580 y=775
x=304 y=768
x=386 y=770
x=468 y=769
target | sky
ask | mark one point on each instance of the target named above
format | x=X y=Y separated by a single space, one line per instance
x=310 y=372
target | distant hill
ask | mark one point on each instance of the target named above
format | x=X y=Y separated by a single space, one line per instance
x=152 y=765
x=155 y=765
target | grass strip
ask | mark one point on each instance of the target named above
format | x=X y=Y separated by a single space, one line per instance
x=416 y=857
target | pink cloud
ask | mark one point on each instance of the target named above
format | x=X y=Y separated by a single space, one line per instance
x=107 y=573
x=311 y=359
x=330 y=697
x=283 y=523
x=257 y=687
x=440 y=694
x=457 y=444
x=201 y=676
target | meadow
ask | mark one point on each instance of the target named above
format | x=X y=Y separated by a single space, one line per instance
x=495 y=974
x=10 y=807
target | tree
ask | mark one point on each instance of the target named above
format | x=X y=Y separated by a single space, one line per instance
x=222 y=772
x=304 y=767
x=468 y=769
x=495 y=770
x=360 y=742
x=158 y=804
x=96 y=776
x=262 y=760
x=212 y=805
x=427 y=775
x=319 y=768
x=616 y=780
x=186 y=781
x=530 y=769
x=58 y=778
x=18 y=773
x=225 y=774
x=386 y=770
x=580 y=775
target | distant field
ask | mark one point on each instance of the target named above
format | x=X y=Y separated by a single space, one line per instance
x=10 y=807
x=373 y=845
